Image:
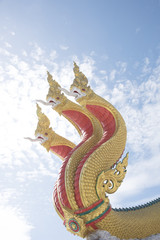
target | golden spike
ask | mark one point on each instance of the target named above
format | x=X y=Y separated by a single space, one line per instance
x=52 y=83
x=43 y=121
x=49 y=77
x=76 y=69
x=79 y=76
x=54 y=89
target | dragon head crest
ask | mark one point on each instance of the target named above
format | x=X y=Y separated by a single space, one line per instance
x=80 y=88
x=54 y=96
x=43 y=133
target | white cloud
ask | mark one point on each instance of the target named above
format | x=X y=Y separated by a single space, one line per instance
x=64 y=47
x=146 y=68
x=101 y=88
x=24 y=53
x=13 y=224
x=13 y=33
x=65 y=74
x=112 y=74
x=102 y=71
x=4 y=52
x=37 y=52
x=8 y=45
x=105 y=57
x=87 y=67
x=53 y=55
x=92 y=53
x=122 y=67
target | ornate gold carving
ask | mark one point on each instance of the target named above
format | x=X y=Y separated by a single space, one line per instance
x=110 y=180
x=54 y=96
x=79 y=76
x=43 y=130
x=54 y=90
x=80 y=80
x=70 y=216
x=43 y=121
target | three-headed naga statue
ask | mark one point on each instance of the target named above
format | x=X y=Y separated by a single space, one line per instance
x=92 y=170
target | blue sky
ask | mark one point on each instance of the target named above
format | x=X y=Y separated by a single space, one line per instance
x=117 y=45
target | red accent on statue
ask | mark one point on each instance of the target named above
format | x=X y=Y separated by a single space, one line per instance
x=61 y=150
x=88 y=208
x=56 y=200
x=85 y=125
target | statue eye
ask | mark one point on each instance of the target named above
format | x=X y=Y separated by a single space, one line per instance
x=46 y=134
x=83 y=89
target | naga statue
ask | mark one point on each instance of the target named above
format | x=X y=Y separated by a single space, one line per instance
x=92 y=170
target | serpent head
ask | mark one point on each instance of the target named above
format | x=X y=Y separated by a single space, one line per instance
x=43 y=133
x=80 y=88
x=54 y=96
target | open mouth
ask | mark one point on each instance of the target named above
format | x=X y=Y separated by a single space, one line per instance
x=40 y=138
x=51 y=101
x=76 y=92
